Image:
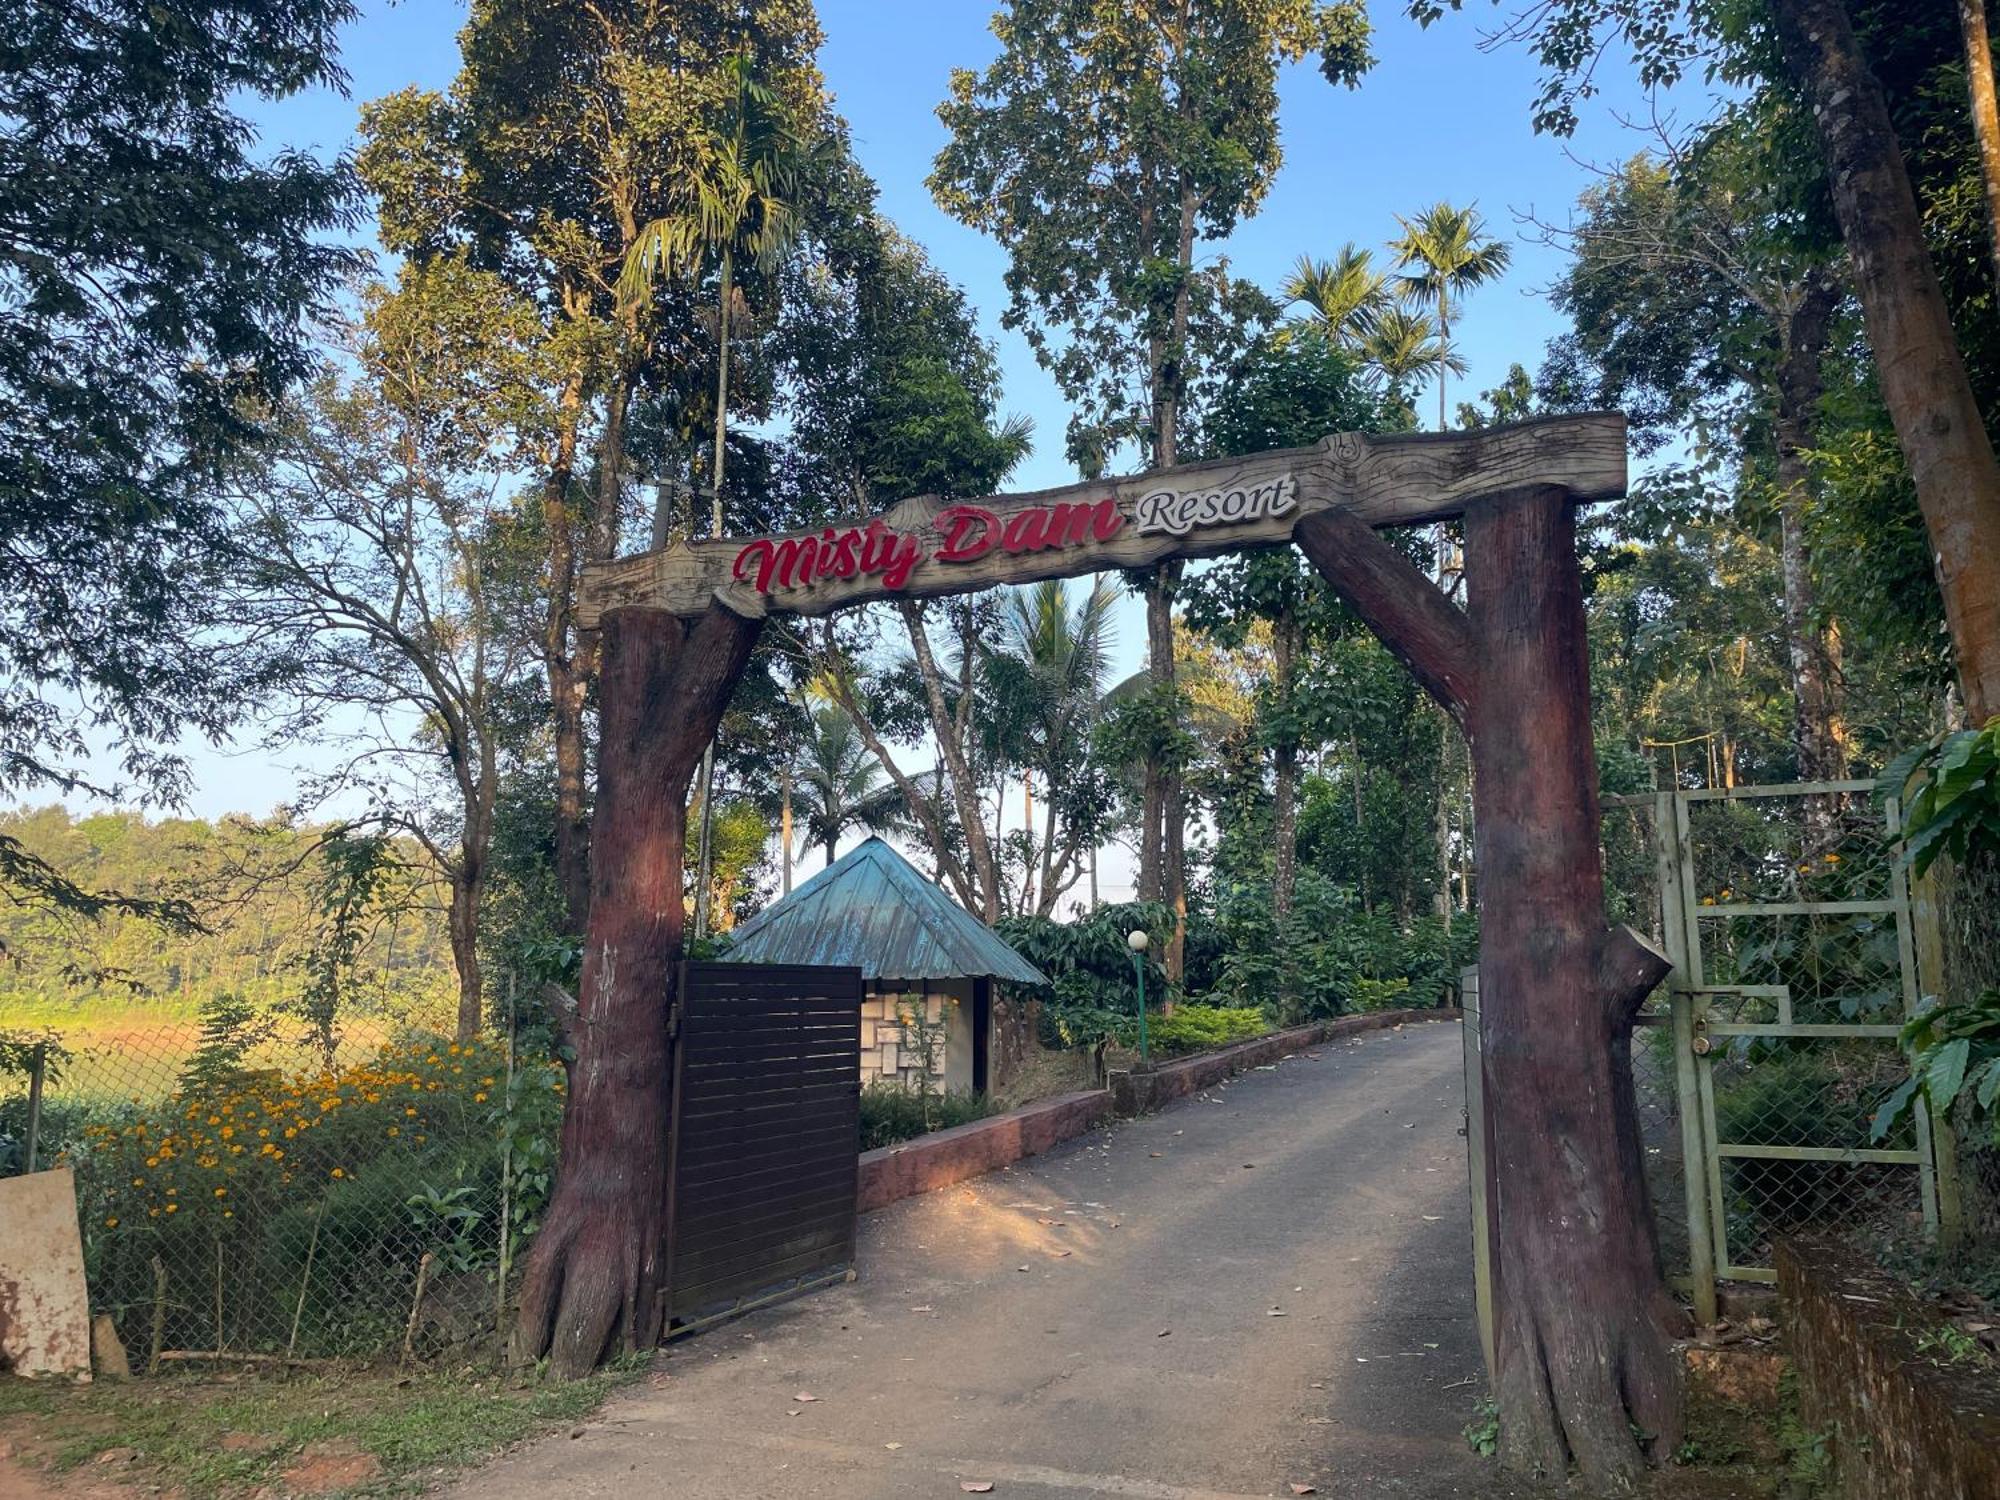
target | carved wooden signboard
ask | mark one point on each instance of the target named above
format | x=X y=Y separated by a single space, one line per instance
x=926 y=546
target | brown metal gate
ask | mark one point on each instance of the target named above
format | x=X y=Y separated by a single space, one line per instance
x=766 y=1134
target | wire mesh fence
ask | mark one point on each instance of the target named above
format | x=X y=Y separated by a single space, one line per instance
x=249 y=1196
x=1784 y=908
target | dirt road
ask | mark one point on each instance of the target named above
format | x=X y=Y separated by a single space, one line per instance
x=1266 y=1286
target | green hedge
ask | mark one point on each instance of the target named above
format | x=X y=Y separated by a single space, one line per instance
x=891 y=1112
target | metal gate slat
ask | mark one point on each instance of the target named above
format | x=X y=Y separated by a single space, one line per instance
x=765 y=1149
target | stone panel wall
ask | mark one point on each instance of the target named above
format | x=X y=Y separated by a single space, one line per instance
x=889 y=1049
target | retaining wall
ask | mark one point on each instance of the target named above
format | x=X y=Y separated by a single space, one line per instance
x=1143 y=1090
x=947 y=1156
x=1909 y=1423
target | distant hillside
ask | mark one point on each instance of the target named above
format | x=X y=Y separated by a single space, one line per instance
x=254 y=887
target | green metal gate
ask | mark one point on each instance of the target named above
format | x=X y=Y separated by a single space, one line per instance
x=1798 y=951
x=1795 y=947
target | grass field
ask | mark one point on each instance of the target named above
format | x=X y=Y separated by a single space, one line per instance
x=122 y=1048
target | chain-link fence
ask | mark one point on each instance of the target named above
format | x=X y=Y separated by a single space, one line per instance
x=1787 y=915
x=249 y=1196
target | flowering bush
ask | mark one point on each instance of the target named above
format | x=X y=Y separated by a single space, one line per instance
x=259 y=1207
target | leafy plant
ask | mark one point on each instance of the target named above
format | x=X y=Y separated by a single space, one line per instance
x=1948 y=1344
x=1954 y=1053
x=1482 y=1433
x=1093 y=996
x=22 y=1051
x=1950 y=787
x=231 y=1028
x=452 y=1226
x=893 y=1112
x=1195 y=1028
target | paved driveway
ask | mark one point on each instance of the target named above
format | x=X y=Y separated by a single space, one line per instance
x=1264 y=1286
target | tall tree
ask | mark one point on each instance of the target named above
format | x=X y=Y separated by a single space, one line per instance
x=741 y=200
x=369 y=529
x=1978 y=40
x=1445 y=255
x=1924 y=383
x=568 y=130
x=1051 y=663
x=1287 y=393
x=159 y=272
x=893 y=393
x=1696 y=301
x=1101 y=229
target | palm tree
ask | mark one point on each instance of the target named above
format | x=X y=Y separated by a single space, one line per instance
x=740 y=199
x=1050 y=666
x=1451 y=256
x=837 y=785
x=1405 y=349
x=1346 y=296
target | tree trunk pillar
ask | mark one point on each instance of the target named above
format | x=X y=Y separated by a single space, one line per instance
x=593 y=1276
x=1584 y=1311
x=1584 y=1315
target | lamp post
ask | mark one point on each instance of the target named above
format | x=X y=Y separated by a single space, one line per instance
x=1136 y=941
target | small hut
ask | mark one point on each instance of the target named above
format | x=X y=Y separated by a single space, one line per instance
x=921 y=954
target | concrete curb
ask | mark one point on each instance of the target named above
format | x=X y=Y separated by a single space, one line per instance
x=1138 y=1093
x=891 y=1173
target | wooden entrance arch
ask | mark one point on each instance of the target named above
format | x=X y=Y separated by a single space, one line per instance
x=1584 y=1314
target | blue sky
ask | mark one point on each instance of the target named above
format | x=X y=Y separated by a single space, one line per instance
x=1437 y=118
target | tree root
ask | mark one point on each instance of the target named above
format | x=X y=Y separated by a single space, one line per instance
x=586 y=1291
x=1556 y=1394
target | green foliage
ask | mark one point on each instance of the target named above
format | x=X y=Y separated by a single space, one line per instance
x=250 y=884
x=890 y=1112
x=1197 y=1028
x=162 y=271
x=1331 y=956
x=21 y=1052
x=1131 y=322
x=358 y=872
x=1482 y=1433
x=230 y=1030
x=1093 y=997
x=1954 y=1053
x=1951 y=797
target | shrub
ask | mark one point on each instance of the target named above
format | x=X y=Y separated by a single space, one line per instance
x=1330 y=956
x=238 y=1183
x=1196 y=1028
x=891 y=1112
x=1379 y=994
x=1093 y=995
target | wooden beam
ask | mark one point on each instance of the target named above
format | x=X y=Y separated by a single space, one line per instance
x=927 y=546
x=1409 y=614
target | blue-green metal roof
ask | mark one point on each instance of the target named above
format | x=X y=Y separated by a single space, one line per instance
x=871 y=909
